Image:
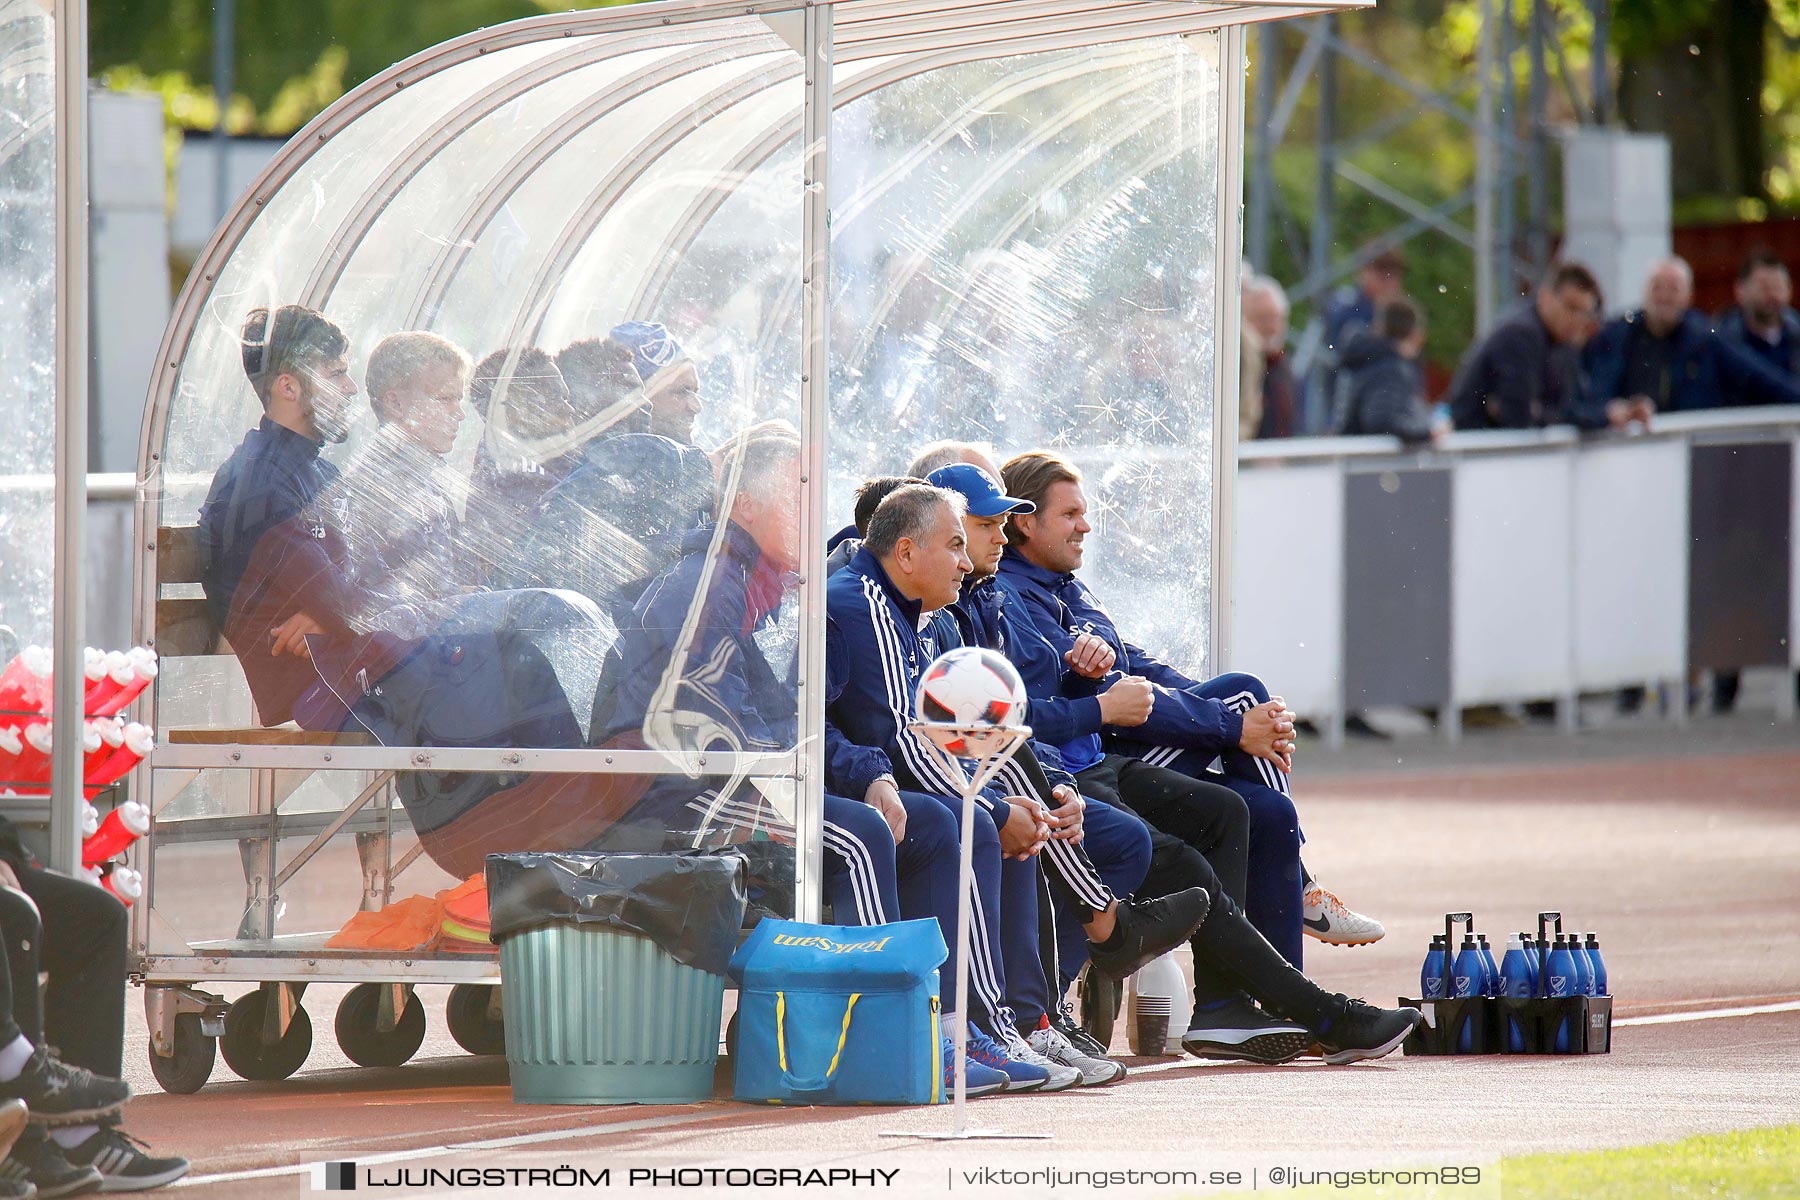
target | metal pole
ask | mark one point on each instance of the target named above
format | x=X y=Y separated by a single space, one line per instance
x=1538 y=196
x=1484 y=168
x=1325 y=137
x=1601 y=87
x=1262 y=168
x=71 y=430
x=1228 y=256
x=815 y=402
x=224 y=83
x=1506 y=160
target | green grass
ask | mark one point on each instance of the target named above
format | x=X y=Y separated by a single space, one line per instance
x=1751 y=1164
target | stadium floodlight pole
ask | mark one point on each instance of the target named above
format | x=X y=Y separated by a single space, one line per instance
x=991 y=748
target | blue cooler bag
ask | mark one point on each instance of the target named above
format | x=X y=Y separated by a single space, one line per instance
x=832 y=1014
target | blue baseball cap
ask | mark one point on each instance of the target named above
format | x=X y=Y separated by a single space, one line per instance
x=984 y=494
x=653 y=348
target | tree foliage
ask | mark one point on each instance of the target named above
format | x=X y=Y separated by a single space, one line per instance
x=291 y=59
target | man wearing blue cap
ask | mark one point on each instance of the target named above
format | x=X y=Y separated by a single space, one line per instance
x=671 y=381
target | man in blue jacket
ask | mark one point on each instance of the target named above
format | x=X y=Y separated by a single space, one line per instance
x=1763 y=322
x=1665 y=357
x=1231 y=719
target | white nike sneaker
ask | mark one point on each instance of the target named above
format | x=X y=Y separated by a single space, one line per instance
x=1050 y=1042
x=1022 y=1051
x=1329 y=920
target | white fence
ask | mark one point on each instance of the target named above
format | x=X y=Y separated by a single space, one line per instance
x=1517 y=566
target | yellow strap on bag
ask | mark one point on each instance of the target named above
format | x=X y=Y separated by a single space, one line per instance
x=781 y=1032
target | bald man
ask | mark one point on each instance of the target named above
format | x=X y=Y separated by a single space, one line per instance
x=1666 y=357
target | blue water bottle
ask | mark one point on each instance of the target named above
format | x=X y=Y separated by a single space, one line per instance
x=1565 y=981
x=1532 y=958
x=1468 y=974
x=1431 y=975
x=1598 y=964
x=1583 y=968
x=1515 y=984
x=1468 y=978
x=1488 y=966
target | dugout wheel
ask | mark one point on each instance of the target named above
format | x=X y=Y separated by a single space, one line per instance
x=1100 y=1002
x=253 y=1043
x=187 y=1070
x=474 y=1018
x=359 y=1024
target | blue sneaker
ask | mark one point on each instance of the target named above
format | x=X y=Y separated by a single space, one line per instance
x=981 y=1080
x=1020 y=1076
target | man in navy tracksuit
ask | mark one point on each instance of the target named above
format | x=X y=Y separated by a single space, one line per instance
x=1235 y=968
x=878 y=642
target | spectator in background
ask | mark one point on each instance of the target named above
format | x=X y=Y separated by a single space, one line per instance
x=1266 y=326
x=1526 y=372
x=527 y=450
x=1379 y=387
x=1764 y=322
x=1665 y=357
x=1349 y=311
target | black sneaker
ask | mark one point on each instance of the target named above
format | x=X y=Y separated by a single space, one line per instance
x=1238 y=1031
x=59 y=1094
x=122 y=1162
x=38 y=1163
x=1064 y=1022
x=1149 y=929
x=1363 y=1031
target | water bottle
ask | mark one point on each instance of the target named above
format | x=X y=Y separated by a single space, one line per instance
x=1515 y=984
x=1490 y=969
x=1598 y=964
x=1565 y=981
x=1468 y=974
x=1583 y=968
x=1565 y=975
x=1431 y=975
x=1467 y=979
x=1532 y=959
x=1515 y=970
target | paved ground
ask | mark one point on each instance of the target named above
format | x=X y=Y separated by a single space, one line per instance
x=1680 y=846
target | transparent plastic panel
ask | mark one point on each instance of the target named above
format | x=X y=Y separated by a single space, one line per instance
x=1024 y=257
x=475 y=493
x=27 y=321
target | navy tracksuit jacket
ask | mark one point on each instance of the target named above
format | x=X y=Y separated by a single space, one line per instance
x=1192 y=725
x=876 y=649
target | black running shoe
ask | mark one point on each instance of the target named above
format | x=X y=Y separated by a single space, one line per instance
x=37 y=1162
x=1064 y=1022
x=1148 y=929
x=1238 y=1031
x=59 y=1094
x=1363 y=1031
x=123 y=1161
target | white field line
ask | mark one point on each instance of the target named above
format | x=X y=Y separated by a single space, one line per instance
x=1709 y=1014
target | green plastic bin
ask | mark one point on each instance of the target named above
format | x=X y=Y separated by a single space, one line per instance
x=596 y=1015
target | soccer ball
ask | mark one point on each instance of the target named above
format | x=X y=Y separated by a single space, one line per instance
x=975 y=690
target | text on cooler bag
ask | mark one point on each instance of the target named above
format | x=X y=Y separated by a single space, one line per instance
x=820 y=943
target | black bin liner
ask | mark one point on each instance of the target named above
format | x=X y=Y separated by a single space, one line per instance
x=689 y=902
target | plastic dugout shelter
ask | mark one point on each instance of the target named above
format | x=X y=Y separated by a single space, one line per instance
x=885 y=222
